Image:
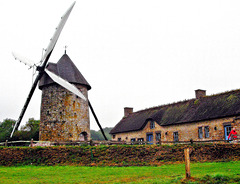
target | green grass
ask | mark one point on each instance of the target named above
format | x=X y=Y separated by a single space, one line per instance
x=214 y=172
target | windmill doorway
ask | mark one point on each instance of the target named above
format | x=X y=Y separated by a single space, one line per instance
x=83 y=136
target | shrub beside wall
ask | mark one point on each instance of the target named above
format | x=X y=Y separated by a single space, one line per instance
x=116 y=155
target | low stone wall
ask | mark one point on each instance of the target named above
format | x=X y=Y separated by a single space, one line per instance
x=116 y=155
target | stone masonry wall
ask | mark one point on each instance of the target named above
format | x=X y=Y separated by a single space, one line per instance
x=64 y=116
x=185 y=131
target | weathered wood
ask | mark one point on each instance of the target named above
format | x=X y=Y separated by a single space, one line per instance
x=187 y=162
x=31 y=144
x=6 y=143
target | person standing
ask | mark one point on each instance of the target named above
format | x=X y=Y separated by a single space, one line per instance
x=233 y=134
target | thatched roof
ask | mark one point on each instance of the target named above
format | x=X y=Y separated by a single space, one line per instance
x=206 y=108
x=66 y=69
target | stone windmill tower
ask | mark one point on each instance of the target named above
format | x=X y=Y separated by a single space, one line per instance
x=64 y=116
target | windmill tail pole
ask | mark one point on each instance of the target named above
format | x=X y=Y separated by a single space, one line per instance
x=26 y=103
x=97 y=120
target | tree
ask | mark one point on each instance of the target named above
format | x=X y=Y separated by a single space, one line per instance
x=29 y=131
x=6 y=128
x=97 y=135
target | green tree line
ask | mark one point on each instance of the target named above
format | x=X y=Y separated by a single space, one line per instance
x=97 y=135
x=27 y=132
x=31 y=131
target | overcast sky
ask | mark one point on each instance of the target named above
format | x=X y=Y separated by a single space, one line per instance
x=134 y=53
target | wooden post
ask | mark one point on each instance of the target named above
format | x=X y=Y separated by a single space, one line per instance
x=160 y=141
x=6 y=143
x=31 y=144
x=187 y=162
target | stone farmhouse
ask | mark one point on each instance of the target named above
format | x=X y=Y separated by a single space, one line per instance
x=203 y=118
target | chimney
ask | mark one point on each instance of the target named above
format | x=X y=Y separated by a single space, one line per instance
x=127 y=111
x=200 y=93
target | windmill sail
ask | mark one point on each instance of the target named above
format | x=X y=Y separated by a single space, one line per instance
x=41 y=69
x=95 y=116
x=23 y=59
x=65 y=84
x=45 y=59
x=56 y=34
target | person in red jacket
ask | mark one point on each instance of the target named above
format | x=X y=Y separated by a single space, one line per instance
x=233 y=133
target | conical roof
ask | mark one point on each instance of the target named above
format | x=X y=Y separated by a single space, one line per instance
x=65 y=69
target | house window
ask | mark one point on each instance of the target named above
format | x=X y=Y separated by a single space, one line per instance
x=175 y=136
x=119 y=139
x=200 y=133
x=114 y=136
x=152 y=124
x=206 y=131
x=133 y=140
x=158 y=136
x=140 y=139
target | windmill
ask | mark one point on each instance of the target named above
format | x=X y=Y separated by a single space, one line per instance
x=42 y=70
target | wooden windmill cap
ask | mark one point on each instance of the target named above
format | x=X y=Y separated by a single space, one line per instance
x=65 y=69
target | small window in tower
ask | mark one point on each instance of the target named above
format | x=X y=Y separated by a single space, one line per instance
x=75 y=115
x=48 y=113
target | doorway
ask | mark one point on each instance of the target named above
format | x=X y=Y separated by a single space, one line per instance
x=227 y=130
x=150 y=138
x=83 y=136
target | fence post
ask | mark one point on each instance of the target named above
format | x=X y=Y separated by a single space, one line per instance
x=91 y=155
x=160 y=141
x=187 y=162
x=191 y=141
x=6 y=143
x=31 y=144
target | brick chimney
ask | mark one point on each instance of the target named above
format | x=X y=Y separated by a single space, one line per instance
x=200 y=93
x=127 y=111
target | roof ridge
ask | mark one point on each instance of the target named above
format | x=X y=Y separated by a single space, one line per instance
x=185 y=101
x=220 y=105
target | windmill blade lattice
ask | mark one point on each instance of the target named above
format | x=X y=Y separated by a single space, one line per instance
x=23 y=59
x=41 y=68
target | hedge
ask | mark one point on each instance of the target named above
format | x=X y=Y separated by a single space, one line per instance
x=116 y=155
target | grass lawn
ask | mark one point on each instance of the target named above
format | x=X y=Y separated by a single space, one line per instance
x=162 y=174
